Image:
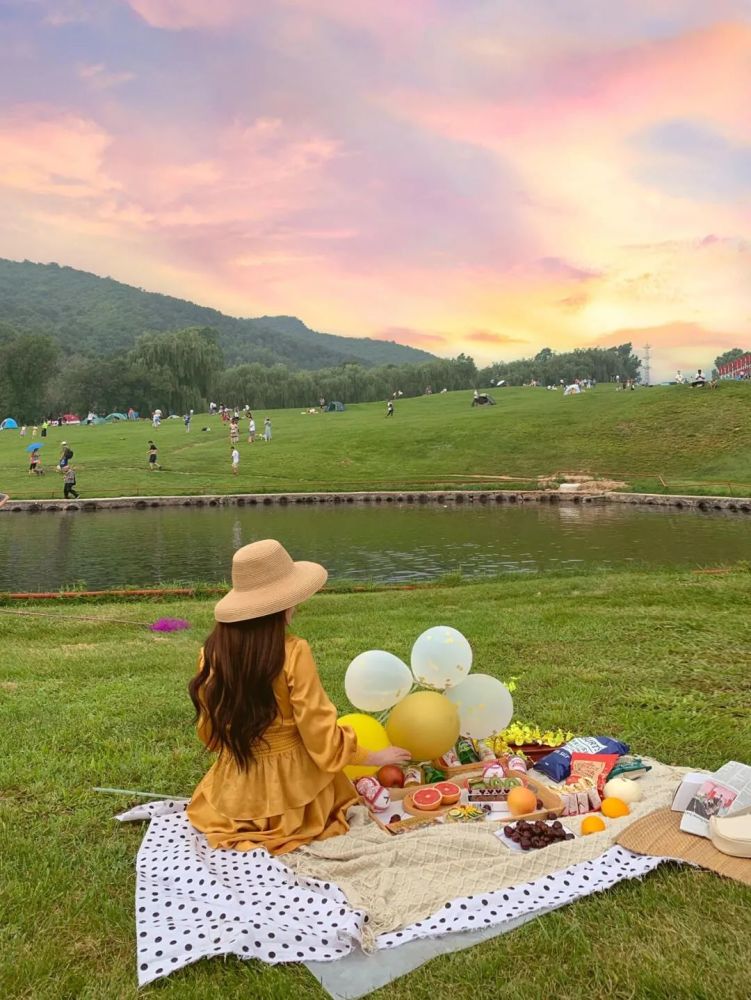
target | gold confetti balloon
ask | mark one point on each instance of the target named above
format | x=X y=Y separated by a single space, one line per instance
x=441 y=658
x=484 y=705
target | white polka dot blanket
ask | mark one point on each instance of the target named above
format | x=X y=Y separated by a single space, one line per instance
x=193 y=902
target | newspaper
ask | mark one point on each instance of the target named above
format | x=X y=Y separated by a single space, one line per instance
x=726 y=791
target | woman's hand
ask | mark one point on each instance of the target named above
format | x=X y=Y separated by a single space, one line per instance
x=391 y=755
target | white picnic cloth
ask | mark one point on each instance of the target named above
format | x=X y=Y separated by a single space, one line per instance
x=193 y=902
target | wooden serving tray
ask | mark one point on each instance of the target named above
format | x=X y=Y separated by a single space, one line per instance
x=551 y=802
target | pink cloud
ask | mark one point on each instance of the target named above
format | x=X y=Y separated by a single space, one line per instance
x=47 y=153
x=413 y=338
x=700 y=72
x=176 y=15
x=553 y=269
x=388 y=20
x=97 y=76
x=489 y=337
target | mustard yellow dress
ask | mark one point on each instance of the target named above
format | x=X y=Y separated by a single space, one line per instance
x=294 y=790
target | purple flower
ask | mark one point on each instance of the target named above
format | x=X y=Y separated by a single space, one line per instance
x=169 y=625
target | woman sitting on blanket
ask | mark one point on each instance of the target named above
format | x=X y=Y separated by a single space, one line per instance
x=278 y=781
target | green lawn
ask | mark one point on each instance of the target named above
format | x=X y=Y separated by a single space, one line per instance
x=671 y=439
x=661 y=659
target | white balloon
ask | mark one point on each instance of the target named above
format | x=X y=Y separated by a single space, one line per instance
x=485 y=706
x=441 y=658
x=377 y=680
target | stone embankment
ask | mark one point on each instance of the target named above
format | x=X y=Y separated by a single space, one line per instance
x=380 y=498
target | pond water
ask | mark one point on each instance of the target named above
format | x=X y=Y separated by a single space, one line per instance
x=394 y=544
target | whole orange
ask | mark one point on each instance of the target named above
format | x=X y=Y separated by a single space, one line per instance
x=521 y=800
x=614 y=808
x=592 y=824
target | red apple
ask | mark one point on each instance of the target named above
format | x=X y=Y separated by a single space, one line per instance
x=391 y=776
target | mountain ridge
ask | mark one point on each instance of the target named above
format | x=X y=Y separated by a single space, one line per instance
x=90 y=314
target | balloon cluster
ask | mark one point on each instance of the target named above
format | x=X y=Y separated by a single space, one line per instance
x=431 y=704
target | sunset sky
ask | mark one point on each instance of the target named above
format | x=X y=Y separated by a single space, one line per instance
x=487 y=176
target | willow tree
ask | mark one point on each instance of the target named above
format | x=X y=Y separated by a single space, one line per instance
x=183 y=366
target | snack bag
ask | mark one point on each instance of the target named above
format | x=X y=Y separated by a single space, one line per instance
x=596 y=766
x=557 y=764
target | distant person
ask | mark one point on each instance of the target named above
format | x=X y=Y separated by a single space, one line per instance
x=389 y=409
x=69 y=483
x=45 y=425
x=156 y=419
x=34 y=430
x=22 y=432
x=267 y=430
x=186 y=420
x=234 y=432
x=35 y=463
x=699 y=379
x=235 y=457
x=251 y=430
x=153 y=457
x=65 y=456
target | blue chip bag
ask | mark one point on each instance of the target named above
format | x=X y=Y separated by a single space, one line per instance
x=557 y=764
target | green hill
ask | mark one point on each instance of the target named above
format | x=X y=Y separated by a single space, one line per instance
x=97 y=316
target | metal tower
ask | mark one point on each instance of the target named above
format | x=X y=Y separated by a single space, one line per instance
x=645 y=364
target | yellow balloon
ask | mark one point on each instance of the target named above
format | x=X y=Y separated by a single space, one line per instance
x=370 y=734
x=426 y=723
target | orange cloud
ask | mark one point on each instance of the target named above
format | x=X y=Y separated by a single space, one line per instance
x=678 y=334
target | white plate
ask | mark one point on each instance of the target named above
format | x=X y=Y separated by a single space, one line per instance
x=512 y=844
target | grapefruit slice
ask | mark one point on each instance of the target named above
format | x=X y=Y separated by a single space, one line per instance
x=450 y=792
x=427 y=799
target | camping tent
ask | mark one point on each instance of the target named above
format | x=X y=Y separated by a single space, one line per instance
x=113 y=417
x=71 y=418
x=8 y=424
x=335 y=407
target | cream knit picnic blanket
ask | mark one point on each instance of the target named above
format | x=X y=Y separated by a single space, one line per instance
x=403 y=879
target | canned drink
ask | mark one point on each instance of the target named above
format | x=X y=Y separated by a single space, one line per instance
x=449 y=759
x=467 y=753
x=431 y=774
x=516 y=763
x=484 y=752
x=412 y=775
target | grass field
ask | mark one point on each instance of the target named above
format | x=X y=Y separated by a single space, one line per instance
x=671 y=439
x=661 y=659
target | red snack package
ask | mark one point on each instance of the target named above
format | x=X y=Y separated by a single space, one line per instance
x=596 y=766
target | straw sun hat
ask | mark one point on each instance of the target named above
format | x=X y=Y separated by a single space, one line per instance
x=265 y=580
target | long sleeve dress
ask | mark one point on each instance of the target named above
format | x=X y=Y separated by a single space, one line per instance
x=294 y=790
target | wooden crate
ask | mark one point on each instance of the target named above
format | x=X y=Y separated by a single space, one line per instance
x=552 y=804
x=551 y=801
x=532 y=751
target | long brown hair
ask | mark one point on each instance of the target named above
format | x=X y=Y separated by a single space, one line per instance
x=234 y=689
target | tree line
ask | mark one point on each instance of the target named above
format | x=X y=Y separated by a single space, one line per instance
x=184 y=369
